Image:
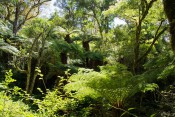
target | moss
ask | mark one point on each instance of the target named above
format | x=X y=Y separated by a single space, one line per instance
x=169 y=8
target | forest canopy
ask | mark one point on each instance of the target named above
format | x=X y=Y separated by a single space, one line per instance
x=76 y=62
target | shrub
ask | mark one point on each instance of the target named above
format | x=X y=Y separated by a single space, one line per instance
x=8 y=107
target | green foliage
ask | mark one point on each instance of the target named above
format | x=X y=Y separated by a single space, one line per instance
x=5 y=29
x=168 y=70
x=94 y=55
x=162 y=65
x=78 y=83
x=8 y=107
x=84 y=34
x=6 y=36
x=150 y=87
x=8 y=78
x=53 y=104
x=114 y=83
x=35 y=27
x=62 y=46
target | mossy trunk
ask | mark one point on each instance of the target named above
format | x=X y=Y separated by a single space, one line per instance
x=15 y=24
x=29 y=65
x=33 y=82
x=169 y=8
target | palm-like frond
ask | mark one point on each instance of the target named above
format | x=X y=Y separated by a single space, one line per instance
x=8 y=48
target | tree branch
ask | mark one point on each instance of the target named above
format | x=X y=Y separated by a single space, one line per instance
x=7 y=17
x=35 y=5
x=156 y=37
x=148 y=6
x=18 y=68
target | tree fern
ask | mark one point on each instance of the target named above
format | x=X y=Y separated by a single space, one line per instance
x=113 y=83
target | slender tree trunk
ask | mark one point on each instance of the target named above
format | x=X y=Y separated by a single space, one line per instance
x=63 y=57
x=28 y=75
x=33 y=82
x=137 y=47
x=100 y=29
x=87 y=49
x=15 y=24
x=106 y=25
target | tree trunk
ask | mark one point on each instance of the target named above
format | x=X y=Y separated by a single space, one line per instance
x=15 y=24
x=86 y=48
x=117 y=109
x=33 y=82
x=64 y=54
x=63 y=58
x=137 y=47
x=169 y=8
x=67 y=38
x=28 y=74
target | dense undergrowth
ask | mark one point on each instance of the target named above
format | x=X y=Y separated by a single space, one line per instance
x=113 y=91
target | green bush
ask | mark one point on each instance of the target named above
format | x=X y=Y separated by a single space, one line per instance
x=8 y=107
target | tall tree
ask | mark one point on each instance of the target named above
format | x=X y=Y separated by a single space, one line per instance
x=34 y=51
x=17 y=12
x=169 y=8
x=139 y=22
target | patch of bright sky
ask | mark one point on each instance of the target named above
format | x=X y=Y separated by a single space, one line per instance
x=49 y=9
x=118 y=21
